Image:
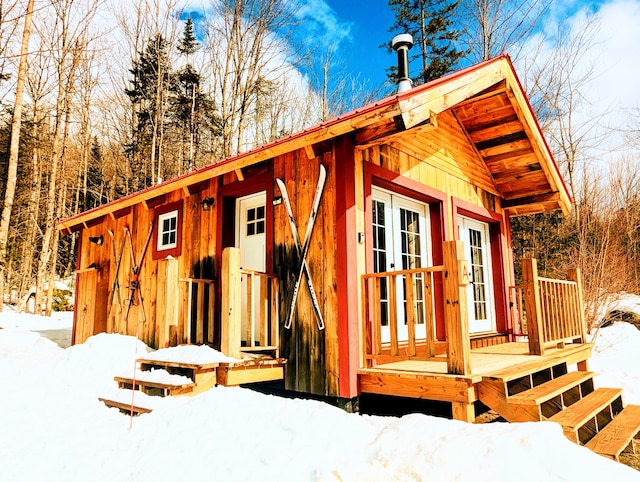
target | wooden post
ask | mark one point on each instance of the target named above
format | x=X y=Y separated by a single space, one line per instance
x=576 y=275
x=231 y=317
x=533 y=306
x=456 y=314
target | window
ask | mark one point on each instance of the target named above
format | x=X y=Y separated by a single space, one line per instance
x=255 y=221
x=168 y=226
x=167 y=230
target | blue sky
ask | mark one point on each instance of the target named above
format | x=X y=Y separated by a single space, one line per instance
x=369 y=22
x=361 y=26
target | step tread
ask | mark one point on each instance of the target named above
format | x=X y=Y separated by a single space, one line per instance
x=586 y=408
x=546 y=391
x=617 y=435
x=153 y=383
x=523 y=369
x=124 y=406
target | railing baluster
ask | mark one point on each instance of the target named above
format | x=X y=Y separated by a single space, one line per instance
x=374 y=308
x=410 y=311
x=429 y=318
x=393 y=314
x=377 y=317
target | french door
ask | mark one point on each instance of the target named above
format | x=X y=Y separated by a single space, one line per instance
x=400 y=241
x=475 y=235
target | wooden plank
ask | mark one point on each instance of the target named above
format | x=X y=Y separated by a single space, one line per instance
x=150 y=383
x=148 y=364
x=617 y=435
x=573 y=417
x=330 y=272
x=541 y=393
x=576 y=275
x=493 y=393
x=456 y=314
x=410 y=311
x=415 y=386
x=393 y=314
x=231 y=316
x=232 y=377
x=463 y=411
x=533 y=305
x=125 y=407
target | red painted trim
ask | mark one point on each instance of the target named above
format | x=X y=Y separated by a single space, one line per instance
x=497 y=239
x=177 y=251
x=391 y=181
x=347 y=273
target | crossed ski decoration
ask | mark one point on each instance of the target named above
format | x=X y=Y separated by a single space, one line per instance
x=134 y=279
x=303 y=248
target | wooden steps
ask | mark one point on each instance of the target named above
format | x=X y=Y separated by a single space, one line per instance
x=551 y=389
x=585 y=418
x=162 y=378
x=121 y=399
x=158 y=383
x=618 y=436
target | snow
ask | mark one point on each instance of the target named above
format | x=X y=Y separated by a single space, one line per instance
x=192 y=354
x=53 y=428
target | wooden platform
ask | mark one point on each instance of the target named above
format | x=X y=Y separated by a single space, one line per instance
x=429 y=380
x=183 y=378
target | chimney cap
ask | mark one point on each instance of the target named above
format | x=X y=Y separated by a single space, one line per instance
x=402 y=40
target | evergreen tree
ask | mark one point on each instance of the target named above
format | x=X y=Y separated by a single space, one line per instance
x=430 y=22
x=191 y=108
x=188 y=44
x=151 y=84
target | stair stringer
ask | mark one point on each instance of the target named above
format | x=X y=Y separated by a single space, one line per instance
x=493 y=393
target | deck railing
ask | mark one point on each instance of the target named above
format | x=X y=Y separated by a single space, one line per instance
x=258 y=319
x=261 y=317
x=413 y=291
x=554 y=309
x=384 y=340
x=197 y=312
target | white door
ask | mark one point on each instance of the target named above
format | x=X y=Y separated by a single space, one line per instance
x=400 y=241
x=475 y=235
x=251 y=240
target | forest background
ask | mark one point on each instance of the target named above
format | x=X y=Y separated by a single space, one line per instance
x=101 y=98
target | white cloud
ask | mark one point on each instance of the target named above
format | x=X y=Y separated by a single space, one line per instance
x=613 y=60
x=321 y=24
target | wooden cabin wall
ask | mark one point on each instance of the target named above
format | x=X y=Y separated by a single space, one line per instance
x=443 y=159
x=161 y=289
x=312 y=354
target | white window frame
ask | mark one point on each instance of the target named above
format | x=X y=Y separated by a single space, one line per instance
x=161 y=231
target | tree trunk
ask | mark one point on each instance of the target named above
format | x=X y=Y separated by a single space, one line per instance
x=14 y=148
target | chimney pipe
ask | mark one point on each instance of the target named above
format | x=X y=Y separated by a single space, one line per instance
x=401 y=44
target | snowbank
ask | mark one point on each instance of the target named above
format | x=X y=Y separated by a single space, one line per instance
x=54 y=428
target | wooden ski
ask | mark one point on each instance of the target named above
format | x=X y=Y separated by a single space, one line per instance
x=134 y=284
x=303 y=248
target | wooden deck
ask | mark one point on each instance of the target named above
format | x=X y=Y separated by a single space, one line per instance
x=429 y=380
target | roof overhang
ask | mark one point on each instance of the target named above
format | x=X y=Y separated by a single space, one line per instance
x=489 y=103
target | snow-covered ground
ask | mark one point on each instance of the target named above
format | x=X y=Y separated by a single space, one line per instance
x=53 y=428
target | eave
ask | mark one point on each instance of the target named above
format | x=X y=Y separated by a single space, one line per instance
x=488 y=102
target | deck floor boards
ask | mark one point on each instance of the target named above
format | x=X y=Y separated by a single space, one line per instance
x=485 y=362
